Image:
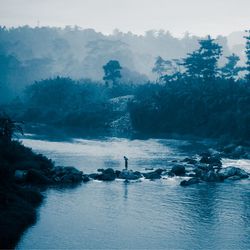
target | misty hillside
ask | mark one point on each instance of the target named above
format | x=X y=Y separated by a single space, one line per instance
x=29 y=54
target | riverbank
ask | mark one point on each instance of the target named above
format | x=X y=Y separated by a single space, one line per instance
x=138 y=213
x=23 y=174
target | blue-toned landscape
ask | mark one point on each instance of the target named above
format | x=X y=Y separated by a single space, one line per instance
x=124 y=124
x=142 y=213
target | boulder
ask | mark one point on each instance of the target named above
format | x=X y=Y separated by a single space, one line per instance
x=71 y=170
x=203 y=167
x=210 y=176
x=190 y=182
x=117 y=172
x=153 y=175
x=94 y=176
x=211 y=160
x=190 y=161
x=129 y=175
x=66 y=175
x=70 y=178
x=227 y=172
x=85 y=178
x=178 y=170
x=107 y=175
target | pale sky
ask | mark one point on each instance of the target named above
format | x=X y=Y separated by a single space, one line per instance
x=199 y=17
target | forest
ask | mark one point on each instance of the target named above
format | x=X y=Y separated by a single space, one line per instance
x=195 y=94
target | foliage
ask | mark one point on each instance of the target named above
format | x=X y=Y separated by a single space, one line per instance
x=247 y=37
x=193 y=96
x=64 y=102
x=8 y=127
x=190 y=109
x=112 y=72
x=230 y=69
x=167 y=70
x=202 y=63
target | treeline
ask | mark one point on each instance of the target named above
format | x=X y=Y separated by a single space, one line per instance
x=63 y=102
x=32 y=54
x=195 y=96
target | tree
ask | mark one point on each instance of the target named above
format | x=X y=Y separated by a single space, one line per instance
x=160 y=67
x=112 y=72
x=9 y=127
x=203 y=63
x=247 y=37
x=167 y=70
x=173 y=72
x=231 y=70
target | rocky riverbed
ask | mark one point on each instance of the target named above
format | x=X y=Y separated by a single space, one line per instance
x=206 y=167
x=27 y=173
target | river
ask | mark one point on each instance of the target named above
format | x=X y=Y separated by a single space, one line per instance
x=138 y=215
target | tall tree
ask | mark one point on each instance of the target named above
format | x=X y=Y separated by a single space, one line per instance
x=9 y=127
x=203 y=63
x=112 y=72
x=167 y=70
x=159 y=67
x=231 y=70
x=247 y=37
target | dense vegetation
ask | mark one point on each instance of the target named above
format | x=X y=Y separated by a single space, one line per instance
x=32 y=54
x=23 y=174
x=194 y=95
x=198 y=98
x=17 y=202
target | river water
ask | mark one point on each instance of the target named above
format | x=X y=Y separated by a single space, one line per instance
x=139 y=215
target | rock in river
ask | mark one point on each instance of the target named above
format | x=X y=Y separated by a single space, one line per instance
x=190 y=182
x=129 y=175
x=227 y=172
x=107 y=175
x=178 y=170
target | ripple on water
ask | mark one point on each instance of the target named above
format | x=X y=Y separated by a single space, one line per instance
x=137 y=215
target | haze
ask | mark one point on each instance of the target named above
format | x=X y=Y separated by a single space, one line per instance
x=198 y=17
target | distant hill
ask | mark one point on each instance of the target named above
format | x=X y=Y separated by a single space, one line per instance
x=29 y=54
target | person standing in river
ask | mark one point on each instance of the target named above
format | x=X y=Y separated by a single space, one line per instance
x=126 y=162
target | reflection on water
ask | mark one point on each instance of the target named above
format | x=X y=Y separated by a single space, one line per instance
x=125 y=190
x=148 y=214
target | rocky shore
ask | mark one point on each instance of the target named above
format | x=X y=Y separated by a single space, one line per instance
x=206 y=167
x=23 y=176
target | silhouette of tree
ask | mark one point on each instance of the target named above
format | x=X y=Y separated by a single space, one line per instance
x=112 y=72
x=247 y=37
x=231 y=70
x=173 y=71
x=160 y=67
x=202 y=63
x=9 y=127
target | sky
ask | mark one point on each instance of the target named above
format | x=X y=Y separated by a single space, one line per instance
x=198 y=17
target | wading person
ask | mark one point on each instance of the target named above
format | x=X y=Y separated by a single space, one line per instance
x=126 y=162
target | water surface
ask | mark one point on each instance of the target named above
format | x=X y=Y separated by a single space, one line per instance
x=140 y=215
